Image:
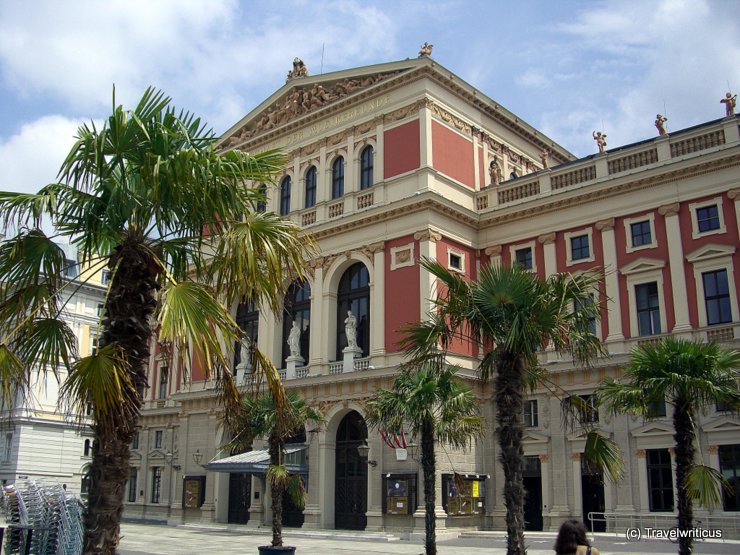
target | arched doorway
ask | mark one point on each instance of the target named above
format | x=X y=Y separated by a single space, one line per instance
x=350 y=494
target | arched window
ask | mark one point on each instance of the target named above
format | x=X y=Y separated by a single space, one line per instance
x=297 y=308
x=285 y=196
x=247 y=318
x=337 y=178
x=88 y=448
x=354 y=295
x=310 y=187
x=262 y=202
x=366 y=167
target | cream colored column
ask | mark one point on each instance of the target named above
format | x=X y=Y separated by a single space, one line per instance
x=494 y=255
x=377 y=300
x=642 y=477
x=676 y=263
x=297 y=186
x=476 y=160
x=312 y=510
x=548 y=246
x=611 y=279
x=714 y=456
x=374 y=512
x=270 y=336
x=323 y=178
x=427 y=285
x=673 y=476
x=545 y=472
x=317 y=301
x=734 y=194
x=608 y=494
x=352 y=168
x=575 y=459
x=327 y=478
x=379 y=169
x=425 y=134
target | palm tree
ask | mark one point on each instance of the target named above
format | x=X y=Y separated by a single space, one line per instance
x=149 y=197
x=688 y=375
x=259 y=416
x=515 y=314
x=435 y=407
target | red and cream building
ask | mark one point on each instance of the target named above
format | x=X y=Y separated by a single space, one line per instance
x=394 y=162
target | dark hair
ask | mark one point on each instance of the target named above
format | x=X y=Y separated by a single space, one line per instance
x=572 y=534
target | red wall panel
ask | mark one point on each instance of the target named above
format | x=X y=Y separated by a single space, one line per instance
x=401 y=149
x=402 y=297
x=452 y=154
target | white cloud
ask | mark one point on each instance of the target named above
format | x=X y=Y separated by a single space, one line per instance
x=31 y=158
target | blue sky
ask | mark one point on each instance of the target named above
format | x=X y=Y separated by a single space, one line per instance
x=566 y=67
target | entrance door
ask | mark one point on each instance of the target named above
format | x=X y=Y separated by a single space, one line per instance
x=533 y=494
x=592 y=488
x=240 y=492
x=350 y=499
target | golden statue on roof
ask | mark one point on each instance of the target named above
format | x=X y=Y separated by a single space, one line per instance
x=426 y=50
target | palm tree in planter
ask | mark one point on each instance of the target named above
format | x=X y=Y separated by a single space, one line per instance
x=689 y=376
x=514 y=314
x=260 y=416
x=149 y=198
x=434 y=405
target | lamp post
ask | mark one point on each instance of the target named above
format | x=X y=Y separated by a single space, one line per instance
x=364 y=451
x=197 y=457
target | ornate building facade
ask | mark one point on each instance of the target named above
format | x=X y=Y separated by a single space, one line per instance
x=40 y=441
x=398 y=161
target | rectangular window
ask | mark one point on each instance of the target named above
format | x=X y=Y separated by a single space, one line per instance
x=164 y=378
x=579 y=247
x=587 y=409
x=524 y=258
x=660 y=480
x=717 y=297
x=641 y=234
x=707 y=218
x=8 y=447
x=648 y=309
x=586 y=303
x=462 y=495
x=657 y=410
x=135 y=442
x=132 y=477
x=156 y=483
x=729 y=466
x=400 y=494
x=94 y=340
x=100 y=310
x=70 y=268
x=530 y=413
x=158 y=439
x=455 y=261
x=105 y=277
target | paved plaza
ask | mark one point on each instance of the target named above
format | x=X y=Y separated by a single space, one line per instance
x=147 y=539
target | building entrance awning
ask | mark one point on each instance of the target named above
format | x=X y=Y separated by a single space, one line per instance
x=257 y=462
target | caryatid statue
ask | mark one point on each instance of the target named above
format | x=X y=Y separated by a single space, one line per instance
x=350 y=329
x=294 y=340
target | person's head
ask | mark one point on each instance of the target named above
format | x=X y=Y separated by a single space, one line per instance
x=572 y=534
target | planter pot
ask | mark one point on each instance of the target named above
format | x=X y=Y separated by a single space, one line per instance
x=271 y=550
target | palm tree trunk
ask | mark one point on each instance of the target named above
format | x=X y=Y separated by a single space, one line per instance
x=684 y=438
x=128 y=309
x=276 y=490
x=509 y=390
x=428 y=463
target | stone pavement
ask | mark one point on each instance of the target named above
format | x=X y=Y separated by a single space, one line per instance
x=152 y=539
x=223 y=539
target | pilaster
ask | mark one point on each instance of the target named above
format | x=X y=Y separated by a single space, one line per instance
x=611 y=280
x=427 y=249
x=676 y=264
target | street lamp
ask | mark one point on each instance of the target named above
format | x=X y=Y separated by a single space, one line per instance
x=197 y=457
x=364 y=451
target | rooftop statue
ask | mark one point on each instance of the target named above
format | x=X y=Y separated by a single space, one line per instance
x=544 y=157
x=730 y=102
x=660 y=124
x=426 y=49
x=494 y=171
x=600 y=139
x=299 y=70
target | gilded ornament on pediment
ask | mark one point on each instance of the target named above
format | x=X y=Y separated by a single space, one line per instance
x=337 y=138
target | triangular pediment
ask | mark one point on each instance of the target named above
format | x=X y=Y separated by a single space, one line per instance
x=710 y=251
x=652 y=429
x=303 y=96
x=582 y=434
x=642 y=264
x=531 y=437
x=156 y=454
x=722 y=424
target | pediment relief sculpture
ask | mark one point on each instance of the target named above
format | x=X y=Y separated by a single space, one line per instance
x=303 y=100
